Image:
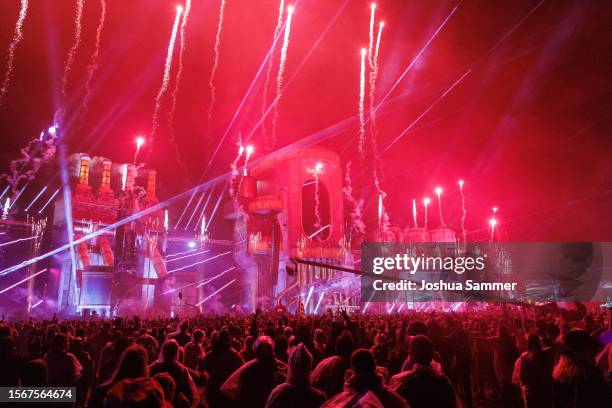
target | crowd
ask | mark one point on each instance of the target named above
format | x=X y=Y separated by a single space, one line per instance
x=498 y=357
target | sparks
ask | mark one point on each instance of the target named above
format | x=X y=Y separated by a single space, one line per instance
x=140 y=141
x=439 y=194
x=372 y=82
x=211 y=80
x=277 y=29
x=361 y=100
x=93 y=65
x=249 y=152
x=492 y=223
x=179 y=73
x=281 y=72
x=414 y=213
x=463 y=211
x=426 y=202
x=59 y=113
x=166 y=77
x=17 y=36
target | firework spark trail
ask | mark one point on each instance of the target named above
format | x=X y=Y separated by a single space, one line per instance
x=281 y=72
x=463 y=211
x=414 y=213
x=371 y=37
x=277 y=30
x=211 y=80
x=234 y=168
x=357 y=223
x=165 y=79
x=59 y=113
x=373 y=77
x=426 y=205
x=93 y=65
x=383 y=217
x=12 y=47
x=177 y=81
x=317 y=223
x=440 y=213
x=361 y=100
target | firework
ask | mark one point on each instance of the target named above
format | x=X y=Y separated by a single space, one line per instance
x=177 y=80
x=211 y=80
x=281 y=72
x=463 y=211
x=166 y=77
x=93 y=65
x=234 y=168
x=249 y=152
x=361 y=100
x=426 y=202
x=357 y=224
x=372 y=83
x=277 y=29
x=438 y=191
x=318 y=169
x=492 y=223
x=414 y=213
x=59 y=113
x=17 y=36
x=140 y=141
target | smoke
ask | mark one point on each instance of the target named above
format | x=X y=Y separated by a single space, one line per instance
x=357 y=224
x=383 y=215
x=277 y=29
x=165 y=79
x=12 y=47
x=281 y=72
x=211 y=80
x=93 y=65
x=177 y=83
x=59 y=113
x=33 y=156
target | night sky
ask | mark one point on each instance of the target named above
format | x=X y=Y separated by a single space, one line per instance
x=529 y=128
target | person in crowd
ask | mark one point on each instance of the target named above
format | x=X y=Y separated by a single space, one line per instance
x=251 y=384
x=220 y=362
x=328 y=376
x=425 y=385
x=533 y=373
x=194 y=351
x=297 y=392
x=136 y=393
x=132 y=364
x=168 y=362
x=181 y=336
x=577 y=380
x=34 y=373
x=64 y=368
x=365 y=387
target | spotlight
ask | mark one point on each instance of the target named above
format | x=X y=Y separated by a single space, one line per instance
x=191 y=244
